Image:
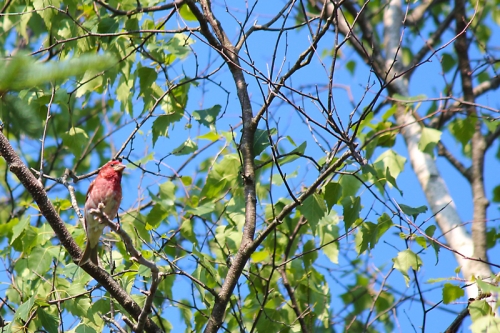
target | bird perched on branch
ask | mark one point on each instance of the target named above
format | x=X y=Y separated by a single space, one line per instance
x=106 y=190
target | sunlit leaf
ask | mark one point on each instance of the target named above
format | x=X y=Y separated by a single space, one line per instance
x=405 y=260
x=187 y=147
x=451 y=293
x=428 y=140
x=75 y=140
x=207 y=117
x=313 y=209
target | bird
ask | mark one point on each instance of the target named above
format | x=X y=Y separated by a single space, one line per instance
x=105 y=190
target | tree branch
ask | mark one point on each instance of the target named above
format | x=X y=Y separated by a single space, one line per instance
x=33 y=186
x=478 y=144
x=221 y=43
x=175 y=4
x=137 y=256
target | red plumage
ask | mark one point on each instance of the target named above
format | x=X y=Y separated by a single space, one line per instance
x=105 y=189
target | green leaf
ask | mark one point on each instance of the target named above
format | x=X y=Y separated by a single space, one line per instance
x=484 y=324
x=358 y=295
x=392 y=180
x=19 y=116
x=6 y=228
x=124 y=95
x=410 y=99
x=186 y=13
x=178 y=46
x=422 y=241
x=200 y=319
x=428 y=140
x=479 y=309
x=350 y=185
x=407 y=56
x=496 y=194
x=19 y=228
x=141 y=162
x=107 y=25
x=352 y=206
x=176 y=101
x=277 y=179
x=451 y=292
x=75 y=140
x=328 y=232
x=211 y=136
x=385 y=169
x=24 y=309
x=235 y=211
x=313 y=209
x=208 y=274
x=462 y=130
x=486 y=287
x=448 y=62
x=261 y=140
x=310 y=257
x=147 y=76
x=392 y=161
x=413 y=211
x=22 y=72
x=333 y=193
x=404 y=261
x=351 y=66
x=429 y=231
x=84 y=328
x=49 y=320
x=207 y=117
x=206 y=209
x=187 y=231
x=187 y=147
x=155 y=216
x=260 y=256
x=40 y=259
x=78 y=306
x=388 y=137
x=186 y=313
x=370 y=233
x=294 y=154
x=222 y=175
x=160 y=127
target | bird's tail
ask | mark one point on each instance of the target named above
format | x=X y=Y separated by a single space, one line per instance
x=90 y=254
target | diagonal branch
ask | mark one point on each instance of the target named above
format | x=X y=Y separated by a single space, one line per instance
x=33 y=186
x=139 y=9
x=137 y=256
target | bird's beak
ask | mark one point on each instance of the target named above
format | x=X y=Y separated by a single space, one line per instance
x=119 y=167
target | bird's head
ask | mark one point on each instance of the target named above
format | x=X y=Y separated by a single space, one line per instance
x=112 y=168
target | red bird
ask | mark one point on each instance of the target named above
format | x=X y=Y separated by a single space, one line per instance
x=105 y=189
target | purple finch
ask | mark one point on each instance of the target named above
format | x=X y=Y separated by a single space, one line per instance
x=106 y=189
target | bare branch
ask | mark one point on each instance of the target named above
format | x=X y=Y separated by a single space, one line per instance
x=137 y=256
x=175 y=4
